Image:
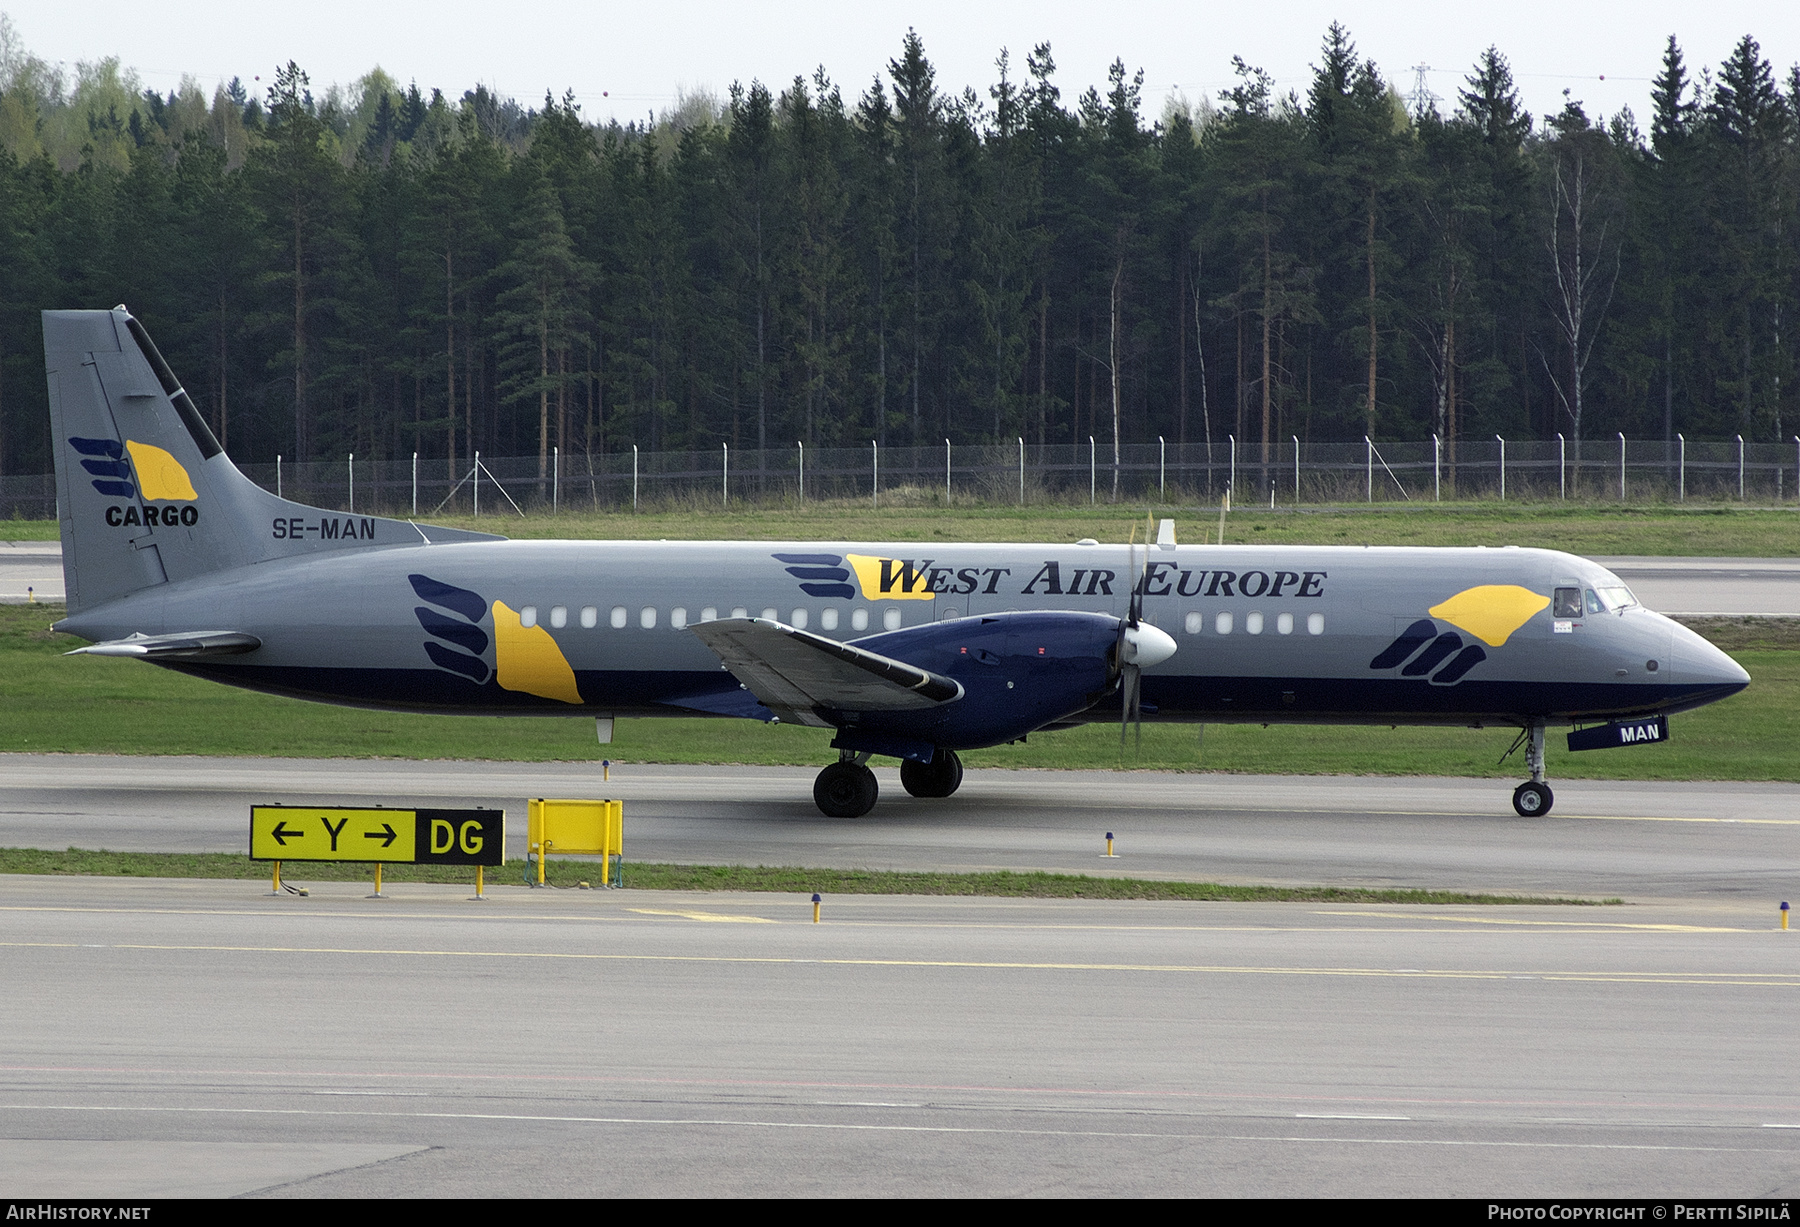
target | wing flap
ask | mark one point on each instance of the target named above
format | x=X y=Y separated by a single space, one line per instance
x=796 y=674
x=182 y=645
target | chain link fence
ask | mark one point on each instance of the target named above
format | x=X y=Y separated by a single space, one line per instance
x=1592 y=471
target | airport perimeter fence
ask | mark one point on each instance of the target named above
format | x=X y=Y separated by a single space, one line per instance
x=1594 y=471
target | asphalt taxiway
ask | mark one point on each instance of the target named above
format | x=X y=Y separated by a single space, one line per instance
x=202 y=1038
x=1650 y=840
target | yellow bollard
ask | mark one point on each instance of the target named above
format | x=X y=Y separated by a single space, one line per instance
x=815 y=909
x=276 y=888
x=377 y=894
x=1784 y=912
x=605 y=769
x=479 y=897
x=1109 y=844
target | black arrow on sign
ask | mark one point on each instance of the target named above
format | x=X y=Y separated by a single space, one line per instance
x=391 y=833
x=282 y=834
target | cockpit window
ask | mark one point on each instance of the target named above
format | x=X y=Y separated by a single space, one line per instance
x=1567 y=603
x=1617 y=598
x=1593 y=602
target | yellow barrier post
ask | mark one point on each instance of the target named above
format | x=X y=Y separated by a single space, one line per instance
x=275 y=888
x=1784 y=912
x=815 y=909
x=605 y=770
x=1109 y=843
x=479 y=897
x=377 y=894
x=574 y=827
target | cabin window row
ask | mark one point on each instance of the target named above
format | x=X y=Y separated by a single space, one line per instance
x=619 y=617
x=1223 y=623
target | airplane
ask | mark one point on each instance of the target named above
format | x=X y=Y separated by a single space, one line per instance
x=173 y=556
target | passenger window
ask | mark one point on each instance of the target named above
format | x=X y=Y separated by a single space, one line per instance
x=771 y=615
x=528 y=616
x=859 y=619
x=1284 y=624
x=1315 y=624
x=709 y=614
x=559 y=616
x=799 y=619
x=619 y=617
x=1253 y=624
x=1567 y=603
x=828 y=620
x=1194 y=623
x=1222 y=624
x=678 y=618
x=647 y=618
x=891 y=619
x=740 y=612
x=590 y=617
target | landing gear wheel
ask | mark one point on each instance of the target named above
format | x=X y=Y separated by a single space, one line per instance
x=938 y=778
x=1532 y=799
x=845 y=790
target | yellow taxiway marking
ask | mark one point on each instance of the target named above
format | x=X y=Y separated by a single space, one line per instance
x=712 y=917
x=1750 y=979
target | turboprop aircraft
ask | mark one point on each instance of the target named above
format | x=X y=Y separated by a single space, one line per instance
x=172 y=556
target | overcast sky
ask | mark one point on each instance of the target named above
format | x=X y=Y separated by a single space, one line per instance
x=624 y=60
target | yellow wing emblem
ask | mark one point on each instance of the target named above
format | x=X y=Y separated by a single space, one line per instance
x=160 y=475
x=527 y=659
x=1491 y=612
x=890 y=579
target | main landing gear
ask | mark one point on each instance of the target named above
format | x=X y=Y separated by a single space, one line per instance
x=1533 y=798
x=847 y=788
x=938 y=778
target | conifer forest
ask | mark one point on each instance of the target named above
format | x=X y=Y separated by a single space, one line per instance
x=386 y=269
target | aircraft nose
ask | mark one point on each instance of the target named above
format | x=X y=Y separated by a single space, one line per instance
x=1147 y=645
x=1699 y=663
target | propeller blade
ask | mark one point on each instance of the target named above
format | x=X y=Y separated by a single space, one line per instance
x=1137 y=647
x=1128 y=690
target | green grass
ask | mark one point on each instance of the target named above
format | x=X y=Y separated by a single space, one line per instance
x=50 y=703
x=762 y=878
x=1719 y=529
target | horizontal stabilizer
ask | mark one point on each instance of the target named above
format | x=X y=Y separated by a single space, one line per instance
x=184 y=645
x=798 y=675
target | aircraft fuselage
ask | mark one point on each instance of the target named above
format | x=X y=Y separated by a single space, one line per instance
x=1266 y=633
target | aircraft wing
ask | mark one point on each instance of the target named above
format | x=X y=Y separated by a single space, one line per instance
x=184 y=645
x=796 y=674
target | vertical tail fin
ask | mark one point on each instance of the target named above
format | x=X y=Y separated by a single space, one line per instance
x=145 y=494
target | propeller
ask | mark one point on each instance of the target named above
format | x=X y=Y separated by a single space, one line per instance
x=1139 y=643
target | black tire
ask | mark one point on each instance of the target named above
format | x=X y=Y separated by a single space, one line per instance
x=845 y=790
x=1532 y=800
x=941 y=777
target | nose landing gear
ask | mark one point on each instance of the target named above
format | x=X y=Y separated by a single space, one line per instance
x=1533 y=798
